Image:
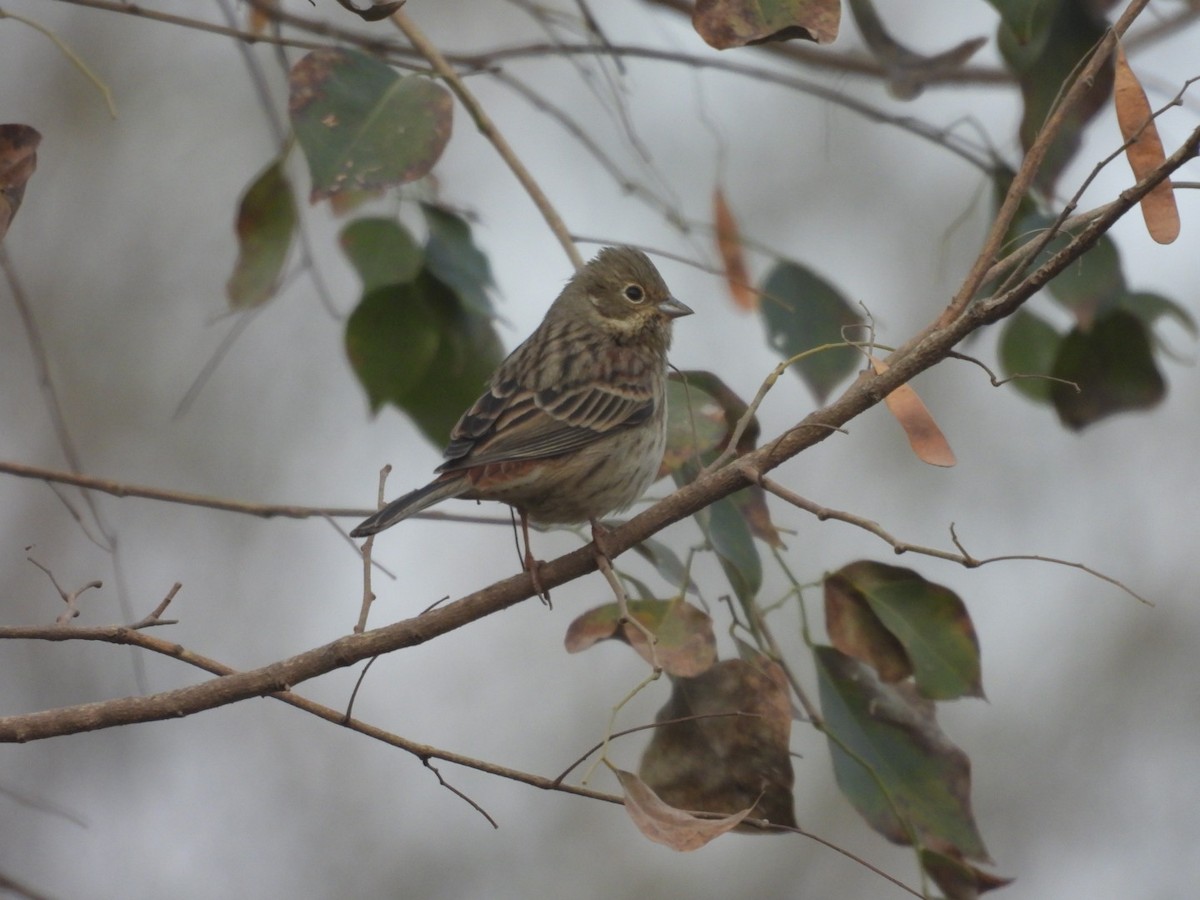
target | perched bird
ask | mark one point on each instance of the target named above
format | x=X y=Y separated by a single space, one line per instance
x=572 y=426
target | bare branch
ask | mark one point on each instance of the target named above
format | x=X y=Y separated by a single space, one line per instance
x=962 y=557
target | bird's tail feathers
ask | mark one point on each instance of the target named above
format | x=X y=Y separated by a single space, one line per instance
x=412 y=502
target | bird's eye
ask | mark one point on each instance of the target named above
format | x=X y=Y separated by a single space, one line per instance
x=634 y=293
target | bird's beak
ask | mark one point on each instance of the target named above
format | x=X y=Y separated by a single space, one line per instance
x=673 y=309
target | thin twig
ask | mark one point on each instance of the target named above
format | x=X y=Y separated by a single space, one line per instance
x=489 y=130
x=457 y=793
x=966 y=560
x=262 y=510
x=74 y=58
x=368 y=596
x=155 y=616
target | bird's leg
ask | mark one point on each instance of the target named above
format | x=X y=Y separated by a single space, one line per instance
x=604 y=564
x=530 y=564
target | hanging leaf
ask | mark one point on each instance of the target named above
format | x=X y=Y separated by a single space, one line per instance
x=724 y=763
x=1093 y=284
x=666 y=563
x=391 y=339
x=18 y=160
x=892 y=761
x=700 y=425
x=456 y=260
x=736 y=23
x=1043 y=64
x=1145 y=151
x=1113 y=364
x=361 y=125
x=469 y=350
x=382 y=252
x=928 y=620
x=1026 y=20
x=686 y=645
x=696 y=425
x=924 y=436
x=266 y=221
x=801 y=311
x=729 y=245
x=1028 y=347
x=1150 y=307
x=729 y=534
x=855 y=630
x=666 y=825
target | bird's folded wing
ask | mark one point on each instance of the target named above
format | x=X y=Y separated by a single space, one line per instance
x=511 y=422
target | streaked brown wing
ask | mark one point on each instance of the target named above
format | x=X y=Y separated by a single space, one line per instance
x=511 y=422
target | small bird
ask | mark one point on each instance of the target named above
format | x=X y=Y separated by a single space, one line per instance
x=572 y=426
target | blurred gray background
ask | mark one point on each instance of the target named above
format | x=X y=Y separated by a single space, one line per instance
x=1084 y=756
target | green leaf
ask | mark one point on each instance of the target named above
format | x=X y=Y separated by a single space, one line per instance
x=1093 y=284
x=382 y=252
x=361 y=125
x=1027 y=22
x=1113 y=364
x=266 y=221
x=883 y=735
x=696 y=424
x=666 y=563
x=392 y=339
x=801 y=311
x=1150 y=307
x=929 y=620
x=729 y=533
x=468 y=352
x=455 y=259
x=1043 y=64
x=1028 y=346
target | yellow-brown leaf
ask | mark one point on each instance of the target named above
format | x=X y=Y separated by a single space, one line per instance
x=1145 y=151
x=729 y=244
x=923 y=434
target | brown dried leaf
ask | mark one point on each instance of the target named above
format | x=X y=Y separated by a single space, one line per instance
x=924 y=436
x=1145 y=151
x=664 y=824
x=736 y=23
x=729 y=245
x=720 y=762
x=18 y=160
x=686 y=644
x=260 y=16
